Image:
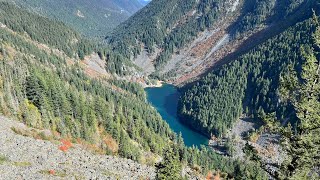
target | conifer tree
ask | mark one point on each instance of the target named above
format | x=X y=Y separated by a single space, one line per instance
x=303 y=144
x=170 y=167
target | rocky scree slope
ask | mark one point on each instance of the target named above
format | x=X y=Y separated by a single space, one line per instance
x=23 y=157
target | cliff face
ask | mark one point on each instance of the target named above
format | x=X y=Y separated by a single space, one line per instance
x=29 y=158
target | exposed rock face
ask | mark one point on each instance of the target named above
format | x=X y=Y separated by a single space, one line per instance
x=267 y=145
x=28 y=158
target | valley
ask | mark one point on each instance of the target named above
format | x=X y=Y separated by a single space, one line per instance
x=93 y=19
x=179 y=89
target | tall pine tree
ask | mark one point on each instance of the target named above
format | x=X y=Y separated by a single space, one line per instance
x=303 y=143
x=170 y=167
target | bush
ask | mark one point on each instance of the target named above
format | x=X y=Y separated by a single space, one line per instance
x=3 y=159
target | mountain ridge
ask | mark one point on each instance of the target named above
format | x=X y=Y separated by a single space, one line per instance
x=93 y=19
x=179 y=59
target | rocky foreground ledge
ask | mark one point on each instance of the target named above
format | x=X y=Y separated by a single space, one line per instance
x=24 y=157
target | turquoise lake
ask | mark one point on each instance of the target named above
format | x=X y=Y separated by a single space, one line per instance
x=165 y=100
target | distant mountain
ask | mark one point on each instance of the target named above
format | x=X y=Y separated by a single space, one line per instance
x=92 y=18
x=130 y=6
x=144 y=2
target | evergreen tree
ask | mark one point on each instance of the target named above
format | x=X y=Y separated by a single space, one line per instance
x=170 y=167
x=303 y=143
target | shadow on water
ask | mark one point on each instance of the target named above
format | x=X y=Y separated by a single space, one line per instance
x=171 y=104
x=165 y=100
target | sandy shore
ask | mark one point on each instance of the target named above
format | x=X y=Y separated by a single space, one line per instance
x=158 y=84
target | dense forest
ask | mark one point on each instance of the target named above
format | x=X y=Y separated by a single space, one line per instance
x=40 y=29
x=169 y=26
x=249 y=85
x=206 y=161
x=39 y=88
x=301 y=89
x=42 y=91
x=256 y=14
x=276 y=82
x=58 y=36
x=94 y=19
x=165 y=25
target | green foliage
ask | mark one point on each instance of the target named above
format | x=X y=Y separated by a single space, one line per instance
x=76 y=106
x=44 y=31
x=204 y=160
x=251 y=153
x=57 y=35
x=258 y=13
x=208 y=160
x=168 y=25
x=302 y=143
x=250 y=82
x=170 y=167
x=171 y=25
x=41 y=90
x=3 y=159
x=31 y=115
x=99 y=17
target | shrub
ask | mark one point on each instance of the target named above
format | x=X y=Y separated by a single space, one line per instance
x=3 y=159
x=22 y=164
x=66 y=144
x=52 y=172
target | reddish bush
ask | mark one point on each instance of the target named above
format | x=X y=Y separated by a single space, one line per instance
x=52 y=172
x=66 y=143
x=63 y=148
x=111 y=143
x=209 y=175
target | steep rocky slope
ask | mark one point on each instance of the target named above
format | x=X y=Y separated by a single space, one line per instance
x=248 y=84
x=181 y=40
x=269 y=83
x=23 y=157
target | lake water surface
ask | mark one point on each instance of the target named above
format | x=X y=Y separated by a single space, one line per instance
x=165 y=100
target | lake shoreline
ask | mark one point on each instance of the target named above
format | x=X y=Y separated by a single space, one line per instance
x=165 y=100
x=157 y=85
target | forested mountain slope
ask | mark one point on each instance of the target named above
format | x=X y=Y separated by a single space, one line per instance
x=179 y=40
x=277 y=82
x=43 y=85
x=93 y=18
x=249 y=84
x=42 y=88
